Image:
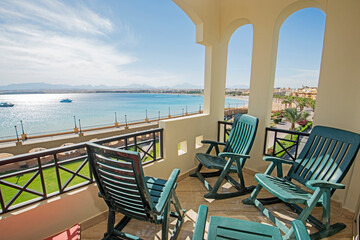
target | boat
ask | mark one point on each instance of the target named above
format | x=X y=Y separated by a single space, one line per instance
x=6 y=104
x=66 y=100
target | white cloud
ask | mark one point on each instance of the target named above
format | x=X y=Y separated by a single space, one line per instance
x=54 y=43
x=55 y=15
x=49 y=41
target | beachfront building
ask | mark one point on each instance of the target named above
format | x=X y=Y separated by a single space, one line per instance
x=216 y=20
x=283 y=91
x=306 y=92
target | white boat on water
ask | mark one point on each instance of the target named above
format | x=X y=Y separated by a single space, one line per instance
x=6 y=104
x=66 y=100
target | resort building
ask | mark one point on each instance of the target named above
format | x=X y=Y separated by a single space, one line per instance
x=306 y=92
x=337 y=106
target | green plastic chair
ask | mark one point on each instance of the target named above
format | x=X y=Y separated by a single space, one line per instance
x=236 y=151
x=322 y=164
x=121 y=182
x=230 y=228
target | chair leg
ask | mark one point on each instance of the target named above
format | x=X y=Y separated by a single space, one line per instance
x=241 y=189
x=195 y=174
x=326 y=209
x=111 y=223
x=175 y=201
x=112 y=231
x=251 y=199
x=123 y=222
x=213 y=192
x=165 y=222
x=179 y=215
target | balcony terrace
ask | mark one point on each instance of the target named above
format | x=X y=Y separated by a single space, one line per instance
x=190 y=192
x=215 y=20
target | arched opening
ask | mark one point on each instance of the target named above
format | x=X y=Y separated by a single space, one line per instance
x=238 y=70
x=297 y=69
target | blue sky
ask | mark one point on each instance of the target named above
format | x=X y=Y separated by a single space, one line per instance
x=118 y=43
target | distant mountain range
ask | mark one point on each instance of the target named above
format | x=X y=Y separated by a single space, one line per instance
x=46 y=86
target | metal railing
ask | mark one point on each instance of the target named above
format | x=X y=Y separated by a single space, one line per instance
x=224 y=129
x=285 y=143
x=79 y=128
x=33 y=177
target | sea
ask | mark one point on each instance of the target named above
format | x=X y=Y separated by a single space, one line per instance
x=36 y=114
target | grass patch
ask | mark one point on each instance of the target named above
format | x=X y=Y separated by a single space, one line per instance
x=51 y=184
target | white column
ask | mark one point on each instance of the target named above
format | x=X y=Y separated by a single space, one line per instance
x=338 y=101
x=215 y=80
x=265 y=41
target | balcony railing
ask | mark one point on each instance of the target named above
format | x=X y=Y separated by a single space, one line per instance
x=33 y=177
x=224 y=129
x=283 y=143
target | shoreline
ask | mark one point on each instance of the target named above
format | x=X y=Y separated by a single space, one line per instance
x=244 y=98
x=276 y=103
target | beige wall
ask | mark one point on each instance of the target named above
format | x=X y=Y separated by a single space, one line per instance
x=338 y=102
x=51 y=216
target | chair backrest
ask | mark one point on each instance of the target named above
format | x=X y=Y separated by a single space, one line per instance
x=327 y=155
x=242 y=134
x=120 y=179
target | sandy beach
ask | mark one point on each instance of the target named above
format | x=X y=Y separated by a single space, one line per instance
x=276 y=105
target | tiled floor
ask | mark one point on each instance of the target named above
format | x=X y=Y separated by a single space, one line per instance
x=190 y=192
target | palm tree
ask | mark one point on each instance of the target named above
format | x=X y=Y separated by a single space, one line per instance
x=285 y=102
x=311 y=103
x=305 y=115
x=301 y=102
x=288 y=101
x=293 y=116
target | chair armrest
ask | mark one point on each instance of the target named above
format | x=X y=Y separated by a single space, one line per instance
x=277 y=160
x=233 y=155
x=324 y=184
x=212 y=142
x=300 y=230
x=200 y=223
x=166 y=194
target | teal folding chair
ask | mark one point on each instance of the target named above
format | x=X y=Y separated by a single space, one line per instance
x=230 y=228
x=322 y=164
x=236 y=150
x=121 y=182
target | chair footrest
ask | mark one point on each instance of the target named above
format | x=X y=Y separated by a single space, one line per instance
x=283 y=189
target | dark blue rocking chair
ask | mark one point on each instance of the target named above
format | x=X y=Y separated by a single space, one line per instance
x=120 y=179
x=236 y=149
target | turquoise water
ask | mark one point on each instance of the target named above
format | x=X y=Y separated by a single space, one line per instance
x=43 y=113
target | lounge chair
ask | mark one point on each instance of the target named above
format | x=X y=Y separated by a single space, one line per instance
x=324 y=161
x=236 y=150
x=125 y=189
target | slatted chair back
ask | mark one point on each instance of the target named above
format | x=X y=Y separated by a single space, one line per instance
x=327 y=155
x=120 y=179
x=242 y=134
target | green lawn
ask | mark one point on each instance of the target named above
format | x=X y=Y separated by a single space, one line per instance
x=285 y=144
x=51 y=184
